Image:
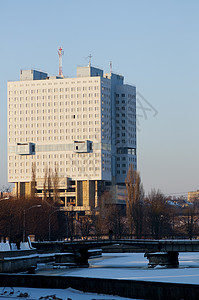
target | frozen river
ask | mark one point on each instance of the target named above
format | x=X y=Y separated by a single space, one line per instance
x=131 y=266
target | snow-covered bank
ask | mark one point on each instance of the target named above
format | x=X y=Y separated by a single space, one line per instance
x=54 y=294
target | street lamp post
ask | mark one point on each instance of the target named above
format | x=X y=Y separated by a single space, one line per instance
x=24 y=219
x=49 y=229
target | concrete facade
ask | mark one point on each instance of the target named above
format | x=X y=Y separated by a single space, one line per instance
x=84 y=128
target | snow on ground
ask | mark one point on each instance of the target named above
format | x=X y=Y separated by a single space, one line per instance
x=48 y=294
x=133 y=266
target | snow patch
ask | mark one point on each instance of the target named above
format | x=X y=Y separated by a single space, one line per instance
x=4 y=247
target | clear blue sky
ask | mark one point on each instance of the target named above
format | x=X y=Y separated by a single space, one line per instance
x=154 y=44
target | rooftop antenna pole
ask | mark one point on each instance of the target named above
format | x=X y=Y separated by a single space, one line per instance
x=90 y=56
x=110 y=66
x=60 y=53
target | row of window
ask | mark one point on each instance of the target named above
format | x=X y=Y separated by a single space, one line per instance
x=121 y=172
x=129 y=128
x=56 y=110
x=122 y=143
x=57 y=117
x=124 y=158
x=60 y=163
x=126 y=165
x=61 y=124
x=119 y=108
x=56 y=131
x=74 y=169
x=121 y=166
x=124 y=95
x=55 y=97
x=55 y=156
x=124 y=121
x=53 y=90
x=128 y=134
x=58 y=138
x=50 y=104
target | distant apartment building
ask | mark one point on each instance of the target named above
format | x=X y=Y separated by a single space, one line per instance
x=84 y=127
x=193 y=196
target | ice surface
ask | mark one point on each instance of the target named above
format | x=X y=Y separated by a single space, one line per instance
x=133 y=266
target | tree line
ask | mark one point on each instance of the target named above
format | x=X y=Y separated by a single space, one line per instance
x=143 y=216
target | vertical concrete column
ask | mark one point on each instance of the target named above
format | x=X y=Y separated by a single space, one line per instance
x=169 y=259
x=76 y=193
x=85 y=192
x=92 y=193
x=16 y=189
x=28 y=189
x=96 y=194
x=79 y=193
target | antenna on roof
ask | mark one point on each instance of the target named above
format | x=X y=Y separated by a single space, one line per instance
x=90 y=56
x=60 y=53
x=110 y=66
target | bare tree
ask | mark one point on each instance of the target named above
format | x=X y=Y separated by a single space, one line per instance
x=55 y=180
x=98 y=221
x=49 y=184
x=12 y=214
x=85 y=226
x=33 y=180
x=45 y=183
x=134 y=201
x=115 y=220
x=159 y=219
x=191 y=216
x=6 y=188
x=70 y=221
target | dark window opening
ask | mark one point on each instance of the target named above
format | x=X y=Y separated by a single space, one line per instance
x=70 y=189
x=72 y=182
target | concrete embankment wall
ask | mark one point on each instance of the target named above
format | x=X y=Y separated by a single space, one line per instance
x=125 y=288
x=18 y=264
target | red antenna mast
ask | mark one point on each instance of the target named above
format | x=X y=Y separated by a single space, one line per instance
x=60 y=53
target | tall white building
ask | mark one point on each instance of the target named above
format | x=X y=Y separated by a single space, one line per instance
x=84 y=127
